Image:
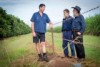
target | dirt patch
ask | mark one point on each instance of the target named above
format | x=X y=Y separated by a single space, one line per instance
x=55 y=60
x=60 y=61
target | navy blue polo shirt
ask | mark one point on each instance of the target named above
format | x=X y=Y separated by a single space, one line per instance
x=67 y=24
x=79 y=23
x=40 y=22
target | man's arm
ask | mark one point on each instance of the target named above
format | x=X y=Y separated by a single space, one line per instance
x=32 y=25
x=48 y=21
x=82 y=24
x=33 y=31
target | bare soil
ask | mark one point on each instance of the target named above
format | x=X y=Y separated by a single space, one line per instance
x=55 y=60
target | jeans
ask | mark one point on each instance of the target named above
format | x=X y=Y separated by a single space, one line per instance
x=68 y=35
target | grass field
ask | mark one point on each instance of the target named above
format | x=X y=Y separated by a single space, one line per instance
x=16 y=47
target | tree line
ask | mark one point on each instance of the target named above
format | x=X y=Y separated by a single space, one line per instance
x=92 y=25
x=11 y=25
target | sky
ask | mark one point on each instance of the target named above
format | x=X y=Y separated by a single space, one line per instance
x=24 y=9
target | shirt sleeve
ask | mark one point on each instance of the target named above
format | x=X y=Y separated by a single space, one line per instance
x=82 y=24
x=33 y=18
x=47 y=19
x=72 y=22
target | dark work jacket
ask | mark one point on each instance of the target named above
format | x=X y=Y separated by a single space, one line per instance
x=79 y=24
x=67 y=24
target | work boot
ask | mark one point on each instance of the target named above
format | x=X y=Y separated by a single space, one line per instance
x=72 y=56
x=80 y=59
x=45 y=58
x=40 y=57
x=67 y=56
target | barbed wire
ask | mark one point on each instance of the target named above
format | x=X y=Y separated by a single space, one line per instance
x=82 y=13
x=76 y=40
x=91 y=9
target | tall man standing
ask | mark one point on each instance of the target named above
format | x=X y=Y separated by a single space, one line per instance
x=39 y=20
x=78 y=27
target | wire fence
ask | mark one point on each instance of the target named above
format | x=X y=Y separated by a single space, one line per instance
x=75 y=41
x=83 y=13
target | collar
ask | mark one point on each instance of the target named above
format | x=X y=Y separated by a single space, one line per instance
x=39 y=13
x=77 y=16
x=67 y=18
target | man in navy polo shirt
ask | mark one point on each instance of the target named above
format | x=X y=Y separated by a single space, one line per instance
x=39 y=21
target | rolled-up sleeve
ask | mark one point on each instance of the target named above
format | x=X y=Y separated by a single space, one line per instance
x=83 y=24
x=47 y=19
x=33 y=18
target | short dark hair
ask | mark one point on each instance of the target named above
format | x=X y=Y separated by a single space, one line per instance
x=41 y=5
x=67 y=10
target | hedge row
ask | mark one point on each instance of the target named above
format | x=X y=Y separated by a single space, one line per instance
x=11 y=25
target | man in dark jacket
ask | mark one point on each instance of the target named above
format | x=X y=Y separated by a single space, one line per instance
x=67 y=33
x=78 y=27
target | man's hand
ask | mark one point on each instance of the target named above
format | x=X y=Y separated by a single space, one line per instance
x=78 y=33
x=50 y=25
x=34 y=34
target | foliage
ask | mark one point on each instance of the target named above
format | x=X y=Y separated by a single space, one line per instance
x=56 y=29
x=11 y=25
x=93 y=25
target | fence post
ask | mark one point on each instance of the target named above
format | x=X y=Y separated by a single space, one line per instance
x=52 y=40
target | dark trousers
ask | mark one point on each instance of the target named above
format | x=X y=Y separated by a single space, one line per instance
x=68 y=35
x=79 y=47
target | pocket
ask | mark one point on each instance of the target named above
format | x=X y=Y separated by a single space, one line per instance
x=37 y=19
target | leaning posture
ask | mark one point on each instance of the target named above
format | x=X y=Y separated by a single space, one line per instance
x=39 y=20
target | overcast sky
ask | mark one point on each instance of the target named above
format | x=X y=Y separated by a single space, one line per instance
x=24 y=9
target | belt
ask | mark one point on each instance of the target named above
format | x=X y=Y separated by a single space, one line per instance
x=75 y=30
x=66 y=30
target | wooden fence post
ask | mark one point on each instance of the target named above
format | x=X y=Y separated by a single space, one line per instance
x=52 y=40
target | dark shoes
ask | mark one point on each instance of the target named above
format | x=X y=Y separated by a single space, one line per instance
x=43 y=57
x=81 y=59
x=70 y=56
x=40 y=57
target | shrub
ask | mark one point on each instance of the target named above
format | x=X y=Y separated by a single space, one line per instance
x=11 y=25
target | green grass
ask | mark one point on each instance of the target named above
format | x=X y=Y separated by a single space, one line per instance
x=91 y=43
x=13 y=48
x=16 y=47
x=92 y=47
